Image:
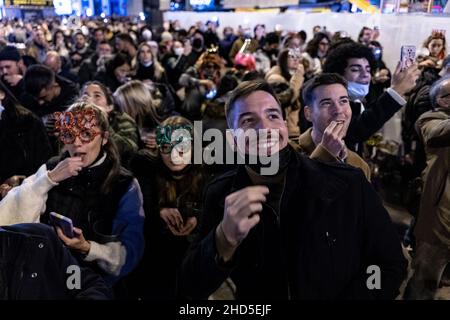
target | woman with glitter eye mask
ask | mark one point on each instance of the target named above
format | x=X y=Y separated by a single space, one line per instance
x=87 y=185
x=172 y=189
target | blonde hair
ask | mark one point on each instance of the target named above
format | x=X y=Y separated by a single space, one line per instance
x=159 y=70
x=135 y=99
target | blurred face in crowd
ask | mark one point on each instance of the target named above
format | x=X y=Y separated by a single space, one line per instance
x=88 y=151
x=49 y=93
x=211 y=26
x=257 y=111
x=104 y=49
x=178 y=48
x=59 y=37
x=260 y=32
x=443 y=98
x=293 y=60
x=39 y=37
x=120 y=45
x=324 y=44
x=330 y=103
x=99 y=36
x=366 y=36
x=358 y=70
x=9 y=68
x=122 y=72
x=94 y=94
x=435 y=47
x=80 y=41
x=145 y=55
x=295 y=42
x=227 y=32
x=53 y=61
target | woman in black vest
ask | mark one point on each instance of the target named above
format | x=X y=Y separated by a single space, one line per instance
x=87 y=184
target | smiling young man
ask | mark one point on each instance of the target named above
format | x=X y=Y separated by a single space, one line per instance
x=355 y=62
x=310 y=231
x=327 y=107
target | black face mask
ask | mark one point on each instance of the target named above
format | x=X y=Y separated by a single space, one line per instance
x=197 y=43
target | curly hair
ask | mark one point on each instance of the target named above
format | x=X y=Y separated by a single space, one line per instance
x=313 y=46
x=337 y=60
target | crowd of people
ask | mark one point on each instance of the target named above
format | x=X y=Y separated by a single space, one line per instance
x=88 y=111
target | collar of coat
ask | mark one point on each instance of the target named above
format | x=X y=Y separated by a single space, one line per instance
x=315 y=178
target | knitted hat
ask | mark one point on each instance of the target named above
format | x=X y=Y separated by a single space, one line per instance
x=9 y=53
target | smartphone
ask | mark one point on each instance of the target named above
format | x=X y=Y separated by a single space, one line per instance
x=211 y=94
x=63 y=222
x=407 y=56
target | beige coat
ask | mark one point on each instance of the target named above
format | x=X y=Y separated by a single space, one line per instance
x=307 y=145
x=433 y=222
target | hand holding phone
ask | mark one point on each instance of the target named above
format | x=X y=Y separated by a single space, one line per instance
x=407 y=56
x=63 y=222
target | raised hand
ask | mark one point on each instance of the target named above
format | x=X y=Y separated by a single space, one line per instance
x=67 y=168
x=241 y=212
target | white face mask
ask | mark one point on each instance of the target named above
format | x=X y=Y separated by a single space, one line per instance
x=178 y=51
x=357 y=91
x=147 y=64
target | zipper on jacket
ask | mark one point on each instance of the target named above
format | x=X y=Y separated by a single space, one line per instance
x=279 y=226
x=283 y=252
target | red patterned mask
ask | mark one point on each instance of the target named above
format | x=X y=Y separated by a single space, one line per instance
x=71 y=125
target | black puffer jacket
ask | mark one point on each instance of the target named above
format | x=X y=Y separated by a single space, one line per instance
x=34 y=265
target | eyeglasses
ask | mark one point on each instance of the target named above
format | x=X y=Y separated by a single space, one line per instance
x=183 y=146
x=68 y=136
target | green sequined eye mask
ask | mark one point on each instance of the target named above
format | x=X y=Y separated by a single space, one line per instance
x=167 y=137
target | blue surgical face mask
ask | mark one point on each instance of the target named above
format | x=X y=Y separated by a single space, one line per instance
x=357 y=91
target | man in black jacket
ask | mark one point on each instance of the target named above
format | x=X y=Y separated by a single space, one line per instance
x=311 y=231
x=11 y=68
x=35 y=265
x=355 y=62
x=46 y=92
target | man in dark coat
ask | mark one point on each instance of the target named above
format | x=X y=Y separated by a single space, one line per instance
x=46 y=92
x=11 y=69
x=35 y=265
x=312 y=230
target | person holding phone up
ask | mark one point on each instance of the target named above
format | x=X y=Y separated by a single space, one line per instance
x=86 y=184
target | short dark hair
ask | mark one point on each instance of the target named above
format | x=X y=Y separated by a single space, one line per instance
x=36 y=78
x=322 y=79
x=104 y=42
x=244 y=89
x=126 y=38
x=337 y=58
